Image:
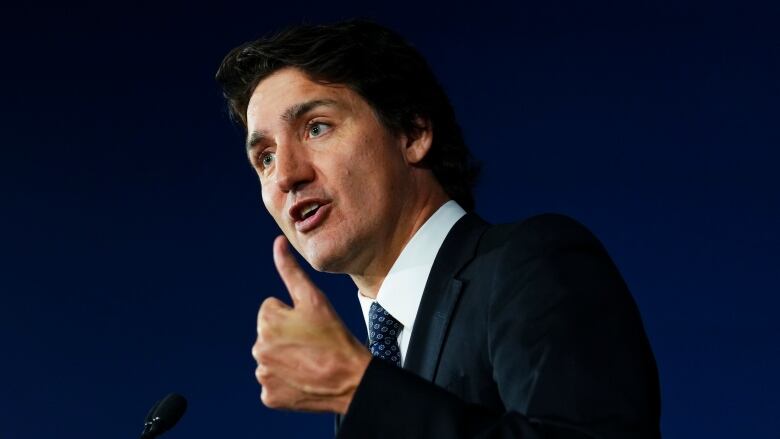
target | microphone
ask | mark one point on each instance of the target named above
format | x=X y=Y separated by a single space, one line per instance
x=163 y=415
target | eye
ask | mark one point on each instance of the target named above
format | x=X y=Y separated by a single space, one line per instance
x=316 y=129
x=266 y=159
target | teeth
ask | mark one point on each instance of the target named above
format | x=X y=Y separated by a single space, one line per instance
x=309 y=209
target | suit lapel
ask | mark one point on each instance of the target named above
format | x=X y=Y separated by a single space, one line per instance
x=440 y=296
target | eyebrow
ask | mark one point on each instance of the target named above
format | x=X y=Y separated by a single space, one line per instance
x=290 y=115
x=254 y=138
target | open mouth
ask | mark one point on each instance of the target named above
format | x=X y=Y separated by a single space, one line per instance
x=308 y=215
x=309 y=210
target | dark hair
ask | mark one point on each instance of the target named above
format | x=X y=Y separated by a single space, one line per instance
x=381 y=67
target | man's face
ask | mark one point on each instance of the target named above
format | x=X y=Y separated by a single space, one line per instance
x=332 y=176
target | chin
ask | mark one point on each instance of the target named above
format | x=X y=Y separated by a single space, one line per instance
x=328 y=260
x=325 y=265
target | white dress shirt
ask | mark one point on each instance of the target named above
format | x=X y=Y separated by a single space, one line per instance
x=402 y=289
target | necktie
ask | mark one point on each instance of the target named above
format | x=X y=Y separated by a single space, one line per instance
x=383 y=334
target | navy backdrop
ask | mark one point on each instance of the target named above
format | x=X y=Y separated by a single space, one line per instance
x=135 y=249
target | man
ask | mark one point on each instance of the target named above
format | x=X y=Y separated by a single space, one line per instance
x=522 y=330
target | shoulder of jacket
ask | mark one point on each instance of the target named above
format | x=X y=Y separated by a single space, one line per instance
x=540 y=232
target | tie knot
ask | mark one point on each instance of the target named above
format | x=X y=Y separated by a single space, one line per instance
x=383 y=334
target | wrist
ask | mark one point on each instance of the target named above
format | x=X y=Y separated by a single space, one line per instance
x=358 y=369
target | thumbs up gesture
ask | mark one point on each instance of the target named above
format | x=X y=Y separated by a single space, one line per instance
x=306 y=358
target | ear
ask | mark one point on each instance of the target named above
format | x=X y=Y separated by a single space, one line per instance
x=418 y=145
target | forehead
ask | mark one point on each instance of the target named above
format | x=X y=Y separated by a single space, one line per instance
x=288 y=87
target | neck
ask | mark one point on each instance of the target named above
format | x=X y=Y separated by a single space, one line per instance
x=370 y=280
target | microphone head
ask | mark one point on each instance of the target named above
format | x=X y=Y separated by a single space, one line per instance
x=164 y=415
x=152 y=411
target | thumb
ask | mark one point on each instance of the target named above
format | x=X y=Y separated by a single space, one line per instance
x=297 y=282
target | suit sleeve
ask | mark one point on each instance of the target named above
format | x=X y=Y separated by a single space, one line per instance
x=568 y=352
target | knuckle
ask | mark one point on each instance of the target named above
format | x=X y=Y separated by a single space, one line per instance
x=263 y=356
x=270 y=303
x=264 y=309
x=269 y=312
x=259 y=375
x=268 y=399
x=264 y=376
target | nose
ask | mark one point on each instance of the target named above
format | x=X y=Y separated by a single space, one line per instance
x=293 y=168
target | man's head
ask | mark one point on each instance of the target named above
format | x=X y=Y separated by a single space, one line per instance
x=349 y=121
x=377 y=64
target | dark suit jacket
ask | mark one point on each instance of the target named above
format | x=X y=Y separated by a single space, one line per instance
x=524 y=331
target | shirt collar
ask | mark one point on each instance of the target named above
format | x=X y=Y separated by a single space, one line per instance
x=401 y=291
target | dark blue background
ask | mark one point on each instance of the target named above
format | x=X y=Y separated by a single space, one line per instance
x=135 y=249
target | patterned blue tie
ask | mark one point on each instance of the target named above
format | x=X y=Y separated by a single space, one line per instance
x=383 y=334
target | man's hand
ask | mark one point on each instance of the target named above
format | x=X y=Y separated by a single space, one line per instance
x=306 y=358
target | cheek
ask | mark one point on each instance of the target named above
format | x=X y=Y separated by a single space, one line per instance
x=272 y=202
